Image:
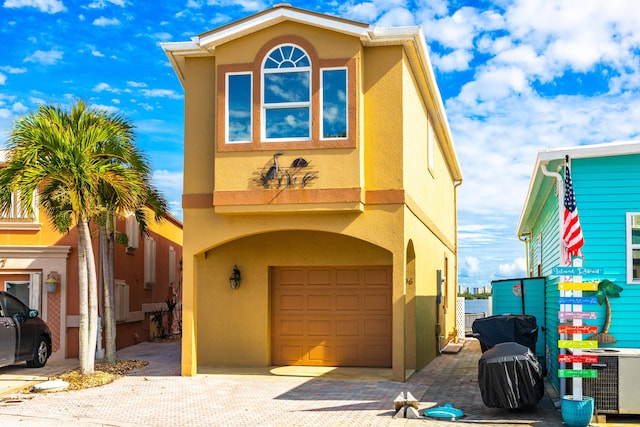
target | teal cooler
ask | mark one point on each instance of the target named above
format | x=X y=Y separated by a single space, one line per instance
x=522 y=296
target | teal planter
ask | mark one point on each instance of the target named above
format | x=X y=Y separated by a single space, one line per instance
x=577 y=413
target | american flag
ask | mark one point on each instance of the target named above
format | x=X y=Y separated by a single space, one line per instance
x=572 y=232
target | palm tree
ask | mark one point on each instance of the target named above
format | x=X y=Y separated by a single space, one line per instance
x=70 y=157
x=606 y=289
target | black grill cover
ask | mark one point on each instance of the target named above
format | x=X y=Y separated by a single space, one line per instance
x=492 y=330
x=510 y=377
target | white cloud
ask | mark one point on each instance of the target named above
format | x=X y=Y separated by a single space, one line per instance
x=517 y=268
x=13 y=70
x=48 y=6
x=397 y=17
x=19 y=108
x=101 y=4
x=170 y=185
x=245 y=5
x=3 y=79
x=163 y=36
x=470 y=266
x=105 y=87
x=45 y=58
x=105 y=22
x=161 y=93
x=364 y=12
x=136 y=84
x=458 y=60
x=107 y=108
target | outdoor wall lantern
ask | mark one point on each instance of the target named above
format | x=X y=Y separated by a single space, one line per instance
x=53 y=280
x=234 y=279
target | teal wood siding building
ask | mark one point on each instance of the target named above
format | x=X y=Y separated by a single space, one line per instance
x=606 y=180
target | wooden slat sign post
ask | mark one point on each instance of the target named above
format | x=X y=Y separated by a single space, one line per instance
x=571 y=302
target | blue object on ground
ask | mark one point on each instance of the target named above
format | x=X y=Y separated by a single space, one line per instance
x=447 y=411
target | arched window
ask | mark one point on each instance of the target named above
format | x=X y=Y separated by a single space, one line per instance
x=286 y=94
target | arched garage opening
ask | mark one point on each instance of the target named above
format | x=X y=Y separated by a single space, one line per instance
x=305 y=298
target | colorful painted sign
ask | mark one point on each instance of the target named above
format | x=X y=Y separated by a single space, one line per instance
x=578 y=300
x=577 y=271
x=582 y=329
x=584 y=286
x=577 y=344
x=571 y=315
x=572 y=358
x=577 y=373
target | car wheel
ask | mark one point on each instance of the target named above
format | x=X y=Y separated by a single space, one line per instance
x=40 y=355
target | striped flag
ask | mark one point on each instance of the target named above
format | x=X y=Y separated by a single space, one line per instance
x=572 y=232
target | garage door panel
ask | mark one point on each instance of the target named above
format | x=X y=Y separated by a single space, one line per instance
x=320 y=328
x=319 y=302
x=339 y=320
x=348 y=302
x=321 y=277
x=376 y=327
x=378 y=302
x=319 y=353
x=288 y=302
x=348 y=277
x=291 y=352
x=347 y=328
x=290 y=328
x=291 y=277
x=348 y=353
x=377 y=276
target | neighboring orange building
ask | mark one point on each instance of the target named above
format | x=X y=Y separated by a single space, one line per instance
x=321 y=165
x=147 y=273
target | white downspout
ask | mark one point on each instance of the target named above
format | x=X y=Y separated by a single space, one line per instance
x=559 y=181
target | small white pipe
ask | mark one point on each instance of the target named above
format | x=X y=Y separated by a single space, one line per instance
x=559 y=181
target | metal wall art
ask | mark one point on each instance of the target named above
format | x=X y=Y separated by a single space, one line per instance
x=297 y=175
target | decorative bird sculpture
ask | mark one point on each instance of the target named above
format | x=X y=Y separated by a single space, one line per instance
x=273 y=170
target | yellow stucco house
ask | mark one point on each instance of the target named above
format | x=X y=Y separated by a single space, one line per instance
x=319 y=162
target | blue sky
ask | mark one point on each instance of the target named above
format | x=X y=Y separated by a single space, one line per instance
x=516 y=76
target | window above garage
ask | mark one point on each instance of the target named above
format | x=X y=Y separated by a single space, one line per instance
x=287 y=99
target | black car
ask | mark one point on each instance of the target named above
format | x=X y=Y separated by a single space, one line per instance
x=24 y=337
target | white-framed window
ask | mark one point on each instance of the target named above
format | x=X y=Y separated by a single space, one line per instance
x=633 y=247
x=121 y=300
x=17 y=211
x=133 y=231
x=239 y=104
x=333 y=102
x=286 y=94
x=149 y=262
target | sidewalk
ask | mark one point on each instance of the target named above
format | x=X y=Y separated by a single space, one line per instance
x=158 y=396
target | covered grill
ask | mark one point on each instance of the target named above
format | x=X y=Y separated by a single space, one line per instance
x=509 y=374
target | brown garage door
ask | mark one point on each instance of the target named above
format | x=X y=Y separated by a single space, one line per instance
x=334 y=316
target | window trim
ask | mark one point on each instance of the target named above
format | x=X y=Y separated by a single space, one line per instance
x=272 y=106
x=226 y=106
x=630 y=247
x=315 y=142
x=321 y=110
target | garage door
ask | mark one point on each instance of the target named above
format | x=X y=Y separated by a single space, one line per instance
x=338 y=316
